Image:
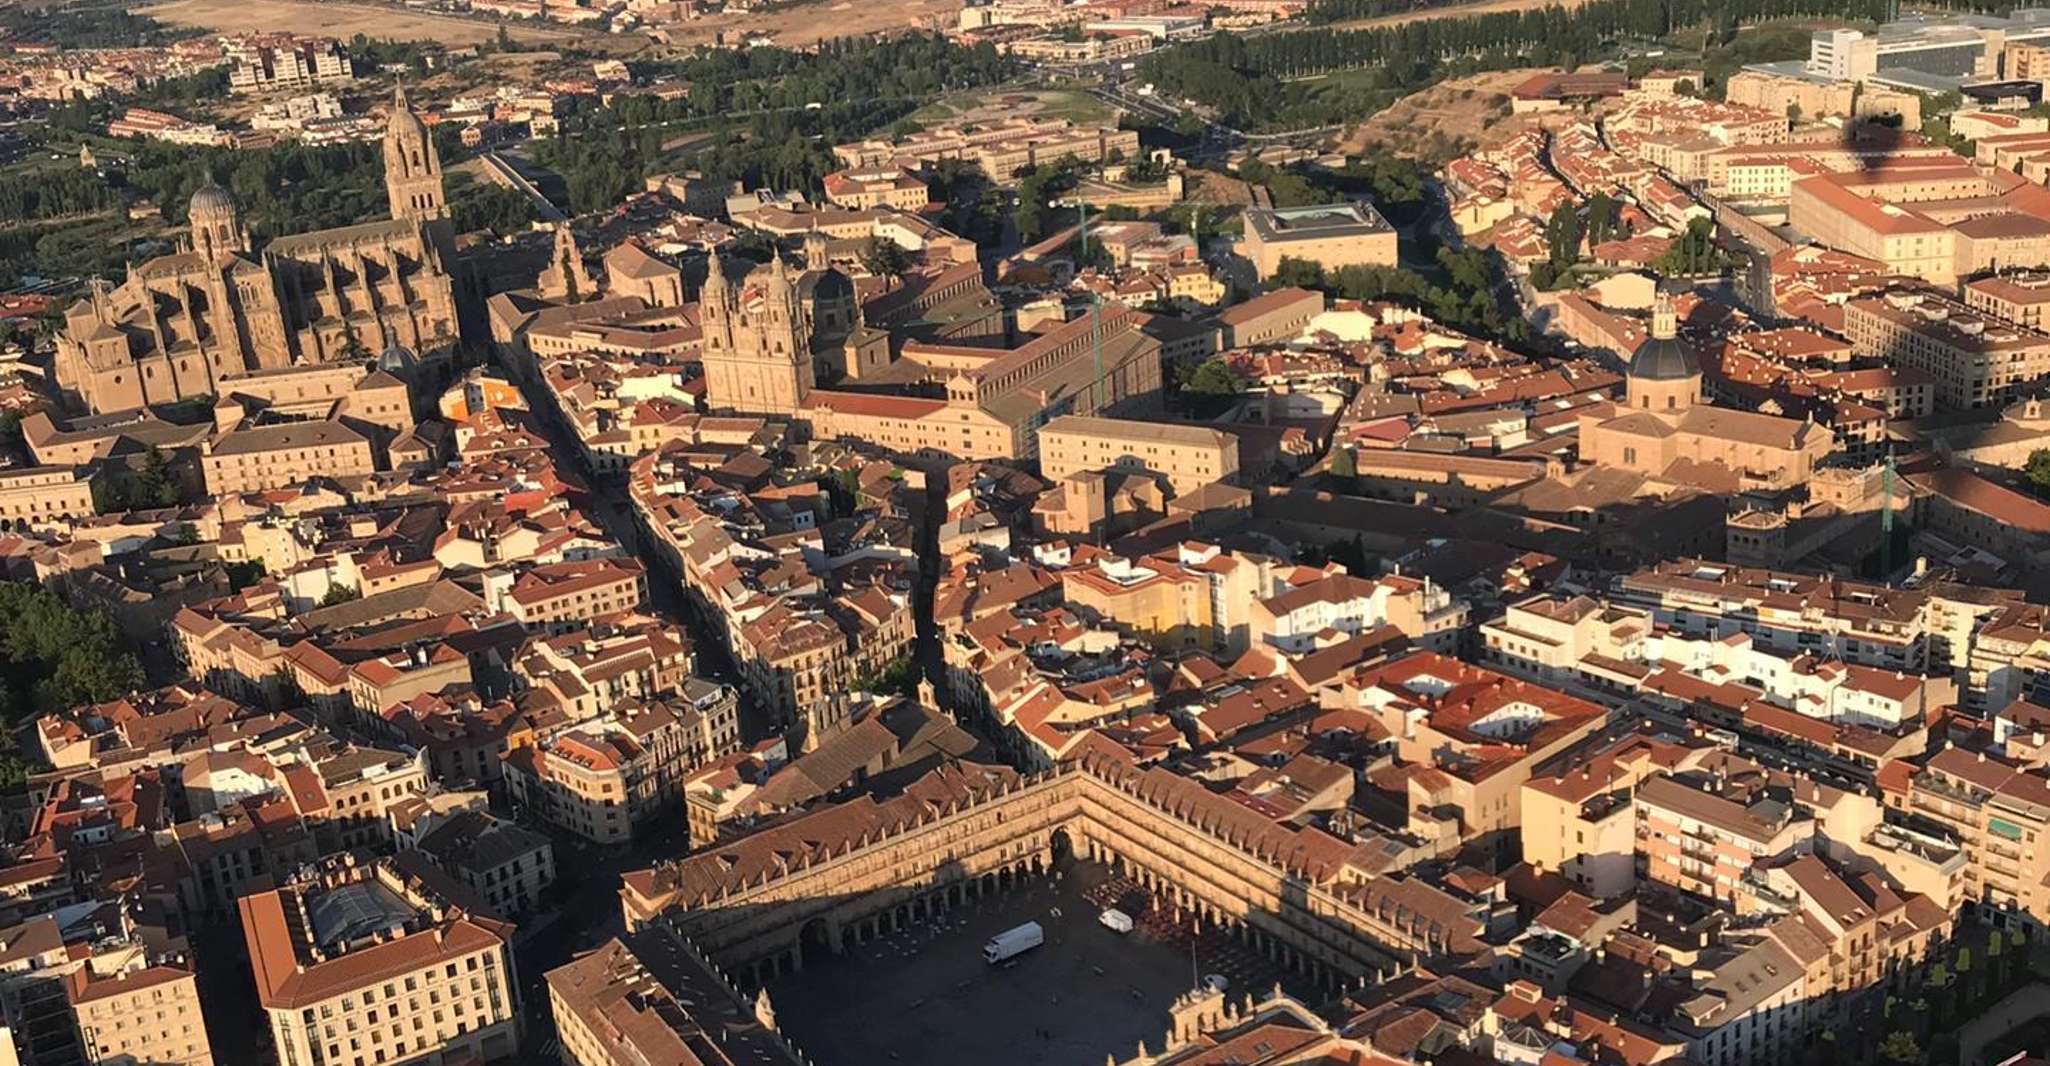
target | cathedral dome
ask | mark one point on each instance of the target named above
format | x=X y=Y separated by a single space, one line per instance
x=211 y=199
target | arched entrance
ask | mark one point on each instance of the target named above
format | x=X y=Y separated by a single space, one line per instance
x=1060 y=847
x=816 y=939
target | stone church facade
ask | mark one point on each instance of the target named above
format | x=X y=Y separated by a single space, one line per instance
x=181 y=323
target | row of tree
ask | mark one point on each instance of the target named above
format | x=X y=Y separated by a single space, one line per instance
x=26 y=197
x=1246 y=78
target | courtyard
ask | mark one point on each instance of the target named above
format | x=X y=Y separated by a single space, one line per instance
x=925 y=995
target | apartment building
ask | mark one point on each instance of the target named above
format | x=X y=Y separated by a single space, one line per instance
x=357 y=965
x=1576 y=642
x=140 y=1014
x=2021 y=297
x=356 y=789
x=1187 y=457
x=1975 y=359
x=289 y=63
x=1318 y=613
x=1785 y=613
x=1580 y=822
x=1701 y=833
x=2000 y=815
x=509 y=867
x=284 y=455
x=558 y=597
x=608 y=777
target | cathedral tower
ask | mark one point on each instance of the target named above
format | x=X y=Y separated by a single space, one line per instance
x=216 y=224
x=412 y=170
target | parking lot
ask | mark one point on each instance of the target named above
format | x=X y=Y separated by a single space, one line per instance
x=925 y=995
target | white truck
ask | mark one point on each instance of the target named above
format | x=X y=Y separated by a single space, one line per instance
x=1013 y=942
x=1115 y=920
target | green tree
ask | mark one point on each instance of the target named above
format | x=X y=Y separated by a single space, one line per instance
x=2037 y=471
x=884 y=257
x=1901 y=1047
x=1694 y=254
x=1343 y=463
x=1563 y=234
x=1293 y=273
x=339 y=593
x=1213 y=378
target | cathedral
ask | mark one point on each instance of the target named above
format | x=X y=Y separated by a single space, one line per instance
x=181 y=324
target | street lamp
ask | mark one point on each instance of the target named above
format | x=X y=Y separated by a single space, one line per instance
x=1095 y=300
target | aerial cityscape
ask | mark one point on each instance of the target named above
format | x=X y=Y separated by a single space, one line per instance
x=1126 y=532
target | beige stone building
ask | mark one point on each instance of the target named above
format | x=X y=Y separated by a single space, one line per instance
x=1270 y=318
x=860 y=190
x=282 y=455
x=861 y=869
x=355 y=964
x=1188 y=457
x=147 y=1015
x=181 y=323
x=997 y=398
x=1779 y=94
x=1936 y=221
x=1976 y=360
x=1332 y=236
x=41 y=497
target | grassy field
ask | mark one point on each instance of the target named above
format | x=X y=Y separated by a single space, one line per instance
x=1077 y=107
x=337 y=18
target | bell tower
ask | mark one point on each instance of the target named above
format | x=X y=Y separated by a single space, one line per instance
x=412 y=170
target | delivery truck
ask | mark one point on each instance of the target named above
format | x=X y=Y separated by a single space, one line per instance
x=1013 y=942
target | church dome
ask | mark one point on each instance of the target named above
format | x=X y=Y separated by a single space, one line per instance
x=827 y=286
x=1663 y=359
x=397 y=359
x=211 y=199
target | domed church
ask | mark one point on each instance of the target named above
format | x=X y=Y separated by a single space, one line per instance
x=181 y=324
x=1664 y=430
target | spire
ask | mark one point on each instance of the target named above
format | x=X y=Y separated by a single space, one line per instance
x=398 y=97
